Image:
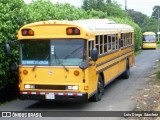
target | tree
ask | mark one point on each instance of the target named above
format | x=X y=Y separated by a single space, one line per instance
x=108 y=7
x=85 y=5
x=12 y=17
x=93 y=4
x=146 y=23
x=114 y=9
x=138 y=17
x=108 y=1
x=155 y=12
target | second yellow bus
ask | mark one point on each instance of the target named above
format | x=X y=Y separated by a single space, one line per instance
x=149 y=40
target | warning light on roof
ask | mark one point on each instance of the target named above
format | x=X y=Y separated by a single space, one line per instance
x=27 y=32
x=72 y=31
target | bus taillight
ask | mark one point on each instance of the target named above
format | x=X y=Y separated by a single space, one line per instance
x=72 y=31
x=27 y=32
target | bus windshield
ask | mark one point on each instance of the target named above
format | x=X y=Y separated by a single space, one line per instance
x=58 y=52
x=149 y=38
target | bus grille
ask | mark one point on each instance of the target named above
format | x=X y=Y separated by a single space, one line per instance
x=51 y=87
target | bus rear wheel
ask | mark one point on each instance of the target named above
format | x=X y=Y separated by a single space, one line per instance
x=100 y=90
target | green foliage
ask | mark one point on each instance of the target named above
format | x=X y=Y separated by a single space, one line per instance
x=108 y=7
x=39 y=8
x=12 y=15
x=114 y=10
x=138 y=17
x=150 y=24
x=146 y=23
x=155 y=12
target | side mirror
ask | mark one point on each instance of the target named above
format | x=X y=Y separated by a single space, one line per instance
x=94 y=54
x=6 y=48
x=14 y=67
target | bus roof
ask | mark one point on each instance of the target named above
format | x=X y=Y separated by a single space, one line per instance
x=149 y=33
x=89 y=24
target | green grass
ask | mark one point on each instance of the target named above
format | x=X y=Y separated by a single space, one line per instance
x=138 y=52
x=158 y=45
x=158 y=74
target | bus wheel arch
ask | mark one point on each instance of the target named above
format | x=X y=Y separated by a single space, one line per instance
x=100 y=89
x=126 y=73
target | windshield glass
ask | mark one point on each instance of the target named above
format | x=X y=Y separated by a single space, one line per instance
x=58 y=52
x=149 y=38
x=33 y=52
x=67 y=52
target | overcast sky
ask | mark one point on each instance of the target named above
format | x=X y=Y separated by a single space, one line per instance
x=144 y=6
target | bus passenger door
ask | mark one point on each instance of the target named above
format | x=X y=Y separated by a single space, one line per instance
x=92 y=76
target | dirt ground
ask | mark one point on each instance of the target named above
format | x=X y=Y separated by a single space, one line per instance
x=148 y=99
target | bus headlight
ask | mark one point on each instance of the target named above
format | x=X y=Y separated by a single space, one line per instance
x=72 y=87
x=29 y=86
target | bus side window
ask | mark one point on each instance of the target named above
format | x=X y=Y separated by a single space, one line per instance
x=91 y=46
x=121 y=41
x=97 y=43
x=109 y=43
x=101 y=44
x=105 y=44
x=113 y=43
x=117 y=41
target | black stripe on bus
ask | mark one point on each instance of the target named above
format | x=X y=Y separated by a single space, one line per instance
x=107 y=61
x=102 y=55
x=126 y=47
x=113 y=58
x=101 y=70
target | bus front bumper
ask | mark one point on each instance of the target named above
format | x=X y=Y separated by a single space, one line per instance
x=54 y=96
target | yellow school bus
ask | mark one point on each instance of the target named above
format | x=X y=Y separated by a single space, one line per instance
x=149 y=40
x=73 y=60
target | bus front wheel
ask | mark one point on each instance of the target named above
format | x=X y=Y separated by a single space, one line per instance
x=100 y=90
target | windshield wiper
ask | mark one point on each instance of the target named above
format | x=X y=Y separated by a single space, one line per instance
x=71 y=53
x=35 y=65
x=56 y=57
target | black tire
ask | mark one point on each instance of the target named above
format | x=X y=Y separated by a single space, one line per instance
x=126 y=73
x=100 y=90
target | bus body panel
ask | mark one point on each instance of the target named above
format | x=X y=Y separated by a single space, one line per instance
x=149 y=45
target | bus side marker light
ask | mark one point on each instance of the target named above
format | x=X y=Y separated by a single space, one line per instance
x=86 y=87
